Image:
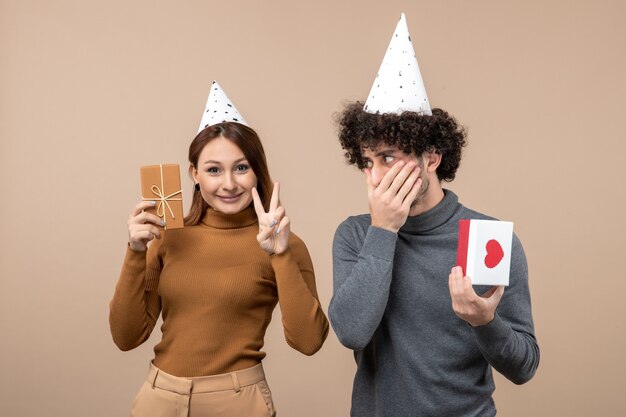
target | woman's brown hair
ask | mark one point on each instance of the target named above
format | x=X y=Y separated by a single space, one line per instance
x=248 y=141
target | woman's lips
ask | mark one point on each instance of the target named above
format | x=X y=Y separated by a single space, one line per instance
x=229 y=199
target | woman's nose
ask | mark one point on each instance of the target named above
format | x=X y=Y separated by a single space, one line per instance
x=229 y=182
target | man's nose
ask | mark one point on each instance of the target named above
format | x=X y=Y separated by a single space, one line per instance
x=378 y=173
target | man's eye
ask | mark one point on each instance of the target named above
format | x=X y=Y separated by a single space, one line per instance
x=388 y=159
x=368 y=164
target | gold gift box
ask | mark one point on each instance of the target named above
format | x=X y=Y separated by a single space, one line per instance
x=161 y=183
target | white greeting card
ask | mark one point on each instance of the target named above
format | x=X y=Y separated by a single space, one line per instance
x=484 y=251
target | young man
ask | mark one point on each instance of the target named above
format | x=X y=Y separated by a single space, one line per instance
x=425 y=340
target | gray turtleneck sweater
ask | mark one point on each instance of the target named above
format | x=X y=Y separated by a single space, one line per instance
x=391 y=305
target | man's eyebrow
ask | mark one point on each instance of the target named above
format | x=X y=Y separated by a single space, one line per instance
x=385 y=151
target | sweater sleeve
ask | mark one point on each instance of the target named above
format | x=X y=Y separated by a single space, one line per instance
x=362 y=270
x=304 y=321
x=136 y=304
x=508 y=342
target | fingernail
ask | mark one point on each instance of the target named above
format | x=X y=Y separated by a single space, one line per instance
x=162 y=222
x=272 y=223
x=277 y=231
x=153 y=203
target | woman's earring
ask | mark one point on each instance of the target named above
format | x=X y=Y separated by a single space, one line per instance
x=197 y=186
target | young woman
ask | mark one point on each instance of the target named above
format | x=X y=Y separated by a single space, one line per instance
x=216 y=283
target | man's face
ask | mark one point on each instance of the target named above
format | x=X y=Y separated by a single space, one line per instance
x=381 y=158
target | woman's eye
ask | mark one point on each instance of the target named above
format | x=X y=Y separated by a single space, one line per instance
x=388 y=159
x=368 y=164
x=242 y=168
x=213 y=170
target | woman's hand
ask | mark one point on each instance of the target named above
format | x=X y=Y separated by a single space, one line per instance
x=274 y=225
x=141 y=226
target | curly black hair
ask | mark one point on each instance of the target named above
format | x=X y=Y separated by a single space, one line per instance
x=410 y=132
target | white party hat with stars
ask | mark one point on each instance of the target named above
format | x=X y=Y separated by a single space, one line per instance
x=398 y=86
x=219 y=109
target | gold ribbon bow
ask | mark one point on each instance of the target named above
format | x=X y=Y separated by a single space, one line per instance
x=163 y=199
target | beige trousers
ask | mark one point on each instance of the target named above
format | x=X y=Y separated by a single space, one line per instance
x=235 y=394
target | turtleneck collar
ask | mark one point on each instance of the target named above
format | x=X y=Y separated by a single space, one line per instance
x=434 y=217
x=218 y=220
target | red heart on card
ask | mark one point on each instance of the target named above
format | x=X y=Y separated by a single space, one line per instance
x=494 y=253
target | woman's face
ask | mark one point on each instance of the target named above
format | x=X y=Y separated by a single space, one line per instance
x=225 y=176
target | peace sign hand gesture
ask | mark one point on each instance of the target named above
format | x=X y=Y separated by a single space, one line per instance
x=274 y=225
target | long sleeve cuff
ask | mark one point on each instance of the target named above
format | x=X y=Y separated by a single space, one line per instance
x=134 y=260
x=493 y=334
x=380 y=243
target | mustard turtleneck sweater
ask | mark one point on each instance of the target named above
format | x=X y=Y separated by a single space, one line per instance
x=216 y=289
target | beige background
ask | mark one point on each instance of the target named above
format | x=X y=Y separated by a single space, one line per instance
x=89 y=91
